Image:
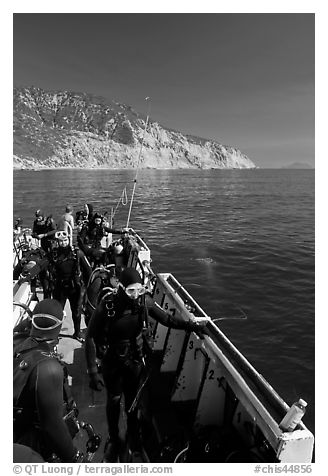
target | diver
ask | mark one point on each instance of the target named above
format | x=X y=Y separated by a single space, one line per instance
x=84 y=216
x=70 y=271
x=115 y=334
x=96 y=231
x=44 y=229
x=83 y=219
x=17 y=229
x=40 y=391
x=92 y=234
x=66 y=221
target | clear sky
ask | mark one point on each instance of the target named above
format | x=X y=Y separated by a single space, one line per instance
x=246 y=80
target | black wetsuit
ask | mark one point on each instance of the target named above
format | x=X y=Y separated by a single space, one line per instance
x=44 y=227
x=70 y=271
x=39 y=400
x=92 y=234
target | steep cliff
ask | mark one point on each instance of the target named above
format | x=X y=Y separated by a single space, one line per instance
x=67 y=129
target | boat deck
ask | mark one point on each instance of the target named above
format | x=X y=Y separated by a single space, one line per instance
x=91 y=404
x=165 y=426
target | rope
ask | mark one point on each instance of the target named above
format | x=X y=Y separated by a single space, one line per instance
x=123 y=199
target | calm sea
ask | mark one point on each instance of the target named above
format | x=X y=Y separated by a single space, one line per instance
x=240 y=241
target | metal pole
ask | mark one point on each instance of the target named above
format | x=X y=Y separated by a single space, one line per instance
x=135 y=180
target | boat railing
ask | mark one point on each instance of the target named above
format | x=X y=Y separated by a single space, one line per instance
x=22 y=297
x=209 y=370
x=23 y=241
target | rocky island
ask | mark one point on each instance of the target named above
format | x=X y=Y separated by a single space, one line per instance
x=68 y=129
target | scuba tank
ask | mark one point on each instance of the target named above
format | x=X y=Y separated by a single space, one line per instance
x=101 y=281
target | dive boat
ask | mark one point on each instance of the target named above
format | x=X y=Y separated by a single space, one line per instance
x=206 y=402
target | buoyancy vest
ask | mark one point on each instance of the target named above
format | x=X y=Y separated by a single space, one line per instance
x=43 y=227
x=95 y=234
x=67 y=268
x=124 y=327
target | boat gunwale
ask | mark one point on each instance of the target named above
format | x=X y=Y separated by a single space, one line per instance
x=253 y=379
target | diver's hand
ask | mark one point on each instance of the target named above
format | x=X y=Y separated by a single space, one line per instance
x=128 y=231
x=24 y=278
x=96 y=382
x=198 y=326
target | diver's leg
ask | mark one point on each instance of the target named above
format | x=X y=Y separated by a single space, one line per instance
x=75 y=300
x=113 y=384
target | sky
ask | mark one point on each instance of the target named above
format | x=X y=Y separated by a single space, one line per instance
x=243 y=79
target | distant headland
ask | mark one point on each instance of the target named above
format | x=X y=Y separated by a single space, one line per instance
x=55 y=129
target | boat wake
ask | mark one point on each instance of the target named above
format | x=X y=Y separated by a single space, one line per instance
x=238 y=314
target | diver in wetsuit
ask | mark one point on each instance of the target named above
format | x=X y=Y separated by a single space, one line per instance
x=117 y=326
x=39 y=393
x=44 y=229
x=70 y=271
x=92 y=234
x=66 y=221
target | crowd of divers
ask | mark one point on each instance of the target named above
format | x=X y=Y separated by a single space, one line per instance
x=97 y=282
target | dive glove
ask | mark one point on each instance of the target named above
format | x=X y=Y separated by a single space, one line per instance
x=198 y=327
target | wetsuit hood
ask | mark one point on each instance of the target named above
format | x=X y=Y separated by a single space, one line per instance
x=47 y=319
x=39 y=213
x=127 y=277
x=130 y=276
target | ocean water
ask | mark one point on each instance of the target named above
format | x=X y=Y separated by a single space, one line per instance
x=240 y=241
